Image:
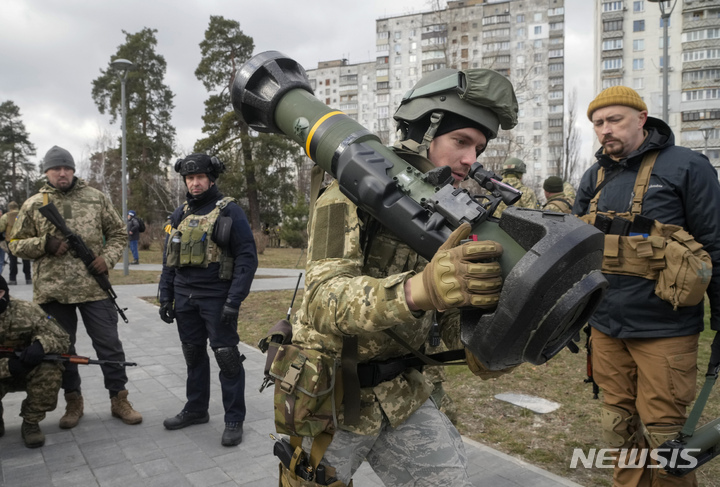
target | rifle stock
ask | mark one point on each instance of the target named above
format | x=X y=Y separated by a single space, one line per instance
x=81 y=251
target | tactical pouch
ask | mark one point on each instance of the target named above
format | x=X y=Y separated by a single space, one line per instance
x=687 y=271
x=280 y=334
x=185 y=248
x=304 y=399
x=227 y=264
x=172 y=252
x=198 y=246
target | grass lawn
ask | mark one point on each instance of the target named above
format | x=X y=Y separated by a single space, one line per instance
x=545 y=440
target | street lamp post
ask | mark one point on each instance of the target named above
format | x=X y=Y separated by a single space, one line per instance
x=123 y=66
x=665 y=13
x=706 y=131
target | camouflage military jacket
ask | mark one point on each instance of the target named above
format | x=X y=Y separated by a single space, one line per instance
x=356 y=289
x=22 y=323
x=559 y=203
x=569 y=191
x=88 y=213
x=528 y=199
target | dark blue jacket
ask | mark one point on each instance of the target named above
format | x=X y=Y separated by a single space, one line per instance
x=683 y=190
x=200 y=282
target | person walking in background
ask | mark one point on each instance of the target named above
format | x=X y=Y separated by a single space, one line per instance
x=555 y=197
x=644 y=347
x=7 y=221
x=208 y=267
x=63 y=285
x=133 y=229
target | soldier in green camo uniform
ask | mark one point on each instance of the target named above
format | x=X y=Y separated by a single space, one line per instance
x=62 y=285
x=25 y=326
x=569 y=191
x=512 y=173
x=555 y=197
x=363 y=280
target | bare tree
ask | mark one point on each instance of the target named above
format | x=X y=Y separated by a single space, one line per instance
x=571 y=161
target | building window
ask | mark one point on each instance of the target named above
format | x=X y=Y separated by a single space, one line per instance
x=639 y=6
x=638 y=63
x=638 y=83
x=537 y=29
x=662 y=21
x=537 y=17
x=612 y=44
x=612 y=25
x=555 y=53
x=638 y=25
x=639 y=45
x=612 y=63
x=612 y=6
x=537 y=125
x=608 y=82
x=557 y=25
x=520 y=18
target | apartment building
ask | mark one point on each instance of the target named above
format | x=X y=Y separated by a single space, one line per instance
x=522 y=39
x=629 y=39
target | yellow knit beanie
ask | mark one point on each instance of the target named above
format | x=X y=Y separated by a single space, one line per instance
x=617 y=95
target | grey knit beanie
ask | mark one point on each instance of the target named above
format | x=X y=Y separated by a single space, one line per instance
x=57 y=156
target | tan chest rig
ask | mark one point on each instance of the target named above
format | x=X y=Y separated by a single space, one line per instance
x=191 y=245
x=664 y=253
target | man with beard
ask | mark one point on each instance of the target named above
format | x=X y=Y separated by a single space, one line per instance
x=644 y=347
x=208 y=267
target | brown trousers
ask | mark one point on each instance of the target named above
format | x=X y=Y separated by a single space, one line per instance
x=653 y=378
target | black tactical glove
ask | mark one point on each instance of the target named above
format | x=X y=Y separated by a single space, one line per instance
x=167 y=311
x=229 y=316
x=33 y=354
x=55 y=246
x=18 y=368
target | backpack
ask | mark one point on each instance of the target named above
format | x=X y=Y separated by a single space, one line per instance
x=141 y=224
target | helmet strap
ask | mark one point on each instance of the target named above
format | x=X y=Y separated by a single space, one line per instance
x=435 y=119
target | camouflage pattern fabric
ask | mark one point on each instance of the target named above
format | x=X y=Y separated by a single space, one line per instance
x=559 y=203
x=21 y=324
x=569 y=191
x=528 y=199
x=88 y=213
x=426 y=450
x=350 y=293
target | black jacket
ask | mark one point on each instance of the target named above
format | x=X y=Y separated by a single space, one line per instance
x=204 y=282
x=683 y=190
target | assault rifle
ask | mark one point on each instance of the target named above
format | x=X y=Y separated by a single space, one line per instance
x=81 y=251
x=65 y=357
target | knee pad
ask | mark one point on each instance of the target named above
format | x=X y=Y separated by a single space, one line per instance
x=619 y=427
x=229 y=360
x=193 y=354
x=658 y=434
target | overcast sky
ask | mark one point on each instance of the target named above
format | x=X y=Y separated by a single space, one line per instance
x=50 y=51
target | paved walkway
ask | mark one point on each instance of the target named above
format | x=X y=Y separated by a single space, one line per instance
x=102 y=451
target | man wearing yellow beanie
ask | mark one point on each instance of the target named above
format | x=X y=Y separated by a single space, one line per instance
x=644 y=347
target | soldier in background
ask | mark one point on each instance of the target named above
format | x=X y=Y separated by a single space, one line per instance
x=512 y=173
x=63 y=285
x=569 y=191
x=203 y=291
x=6 y=225
x=25 y=326
x=555 y=197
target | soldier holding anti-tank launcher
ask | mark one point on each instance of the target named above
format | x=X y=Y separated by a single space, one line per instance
x=63 y=284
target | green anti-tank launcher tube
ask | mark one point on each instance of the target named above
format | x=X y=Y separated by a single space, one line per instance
x=550 y=262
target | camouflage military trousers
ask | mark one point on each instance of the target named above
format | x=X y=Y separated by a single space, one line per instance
x=425 y=450
x=42 y=385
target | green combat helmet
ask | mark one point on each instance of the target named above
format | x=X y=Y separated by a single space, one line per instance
x=513 y=165
x=483 y=96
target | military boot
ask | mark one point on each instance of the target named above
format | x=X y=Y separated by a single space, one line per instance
x=73 y=411
x=2 y=423
x=121 y=408
x=32 y=435
x=233 y=434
